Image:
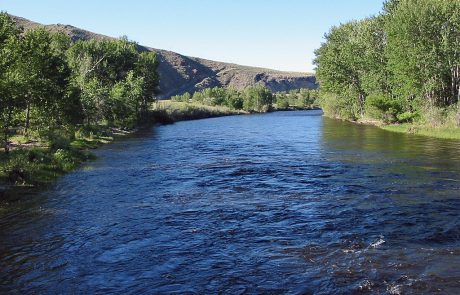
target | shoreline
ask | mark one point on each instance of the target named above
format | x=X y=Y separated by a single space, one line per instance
x=439 y=132
x=50 y=169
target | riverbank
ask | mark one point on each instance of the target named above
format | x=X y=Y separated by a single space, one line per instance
x=34 y=162
x=442 y=132
x=167 y=111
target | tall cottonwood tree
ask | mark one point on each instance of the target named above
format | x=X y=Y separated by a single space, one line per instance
x=10 y=102
x=146 y=67
x=399 y=62
x=43 y=70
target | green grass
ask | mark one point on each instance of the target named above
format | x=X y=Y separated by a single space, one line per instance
x=167 y=111
x=21 y=139
x=444 y=132
x=37 y=166
x=40 y=162
x=90 y=143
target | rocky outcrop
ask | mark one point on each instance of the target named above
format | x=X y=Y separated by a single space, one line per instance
x=180 y=74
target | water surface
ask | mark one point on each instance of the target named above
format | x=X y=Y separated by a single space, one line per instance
x=288 y=202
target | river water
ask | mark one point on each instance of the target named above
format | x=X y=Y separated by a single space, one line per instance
x=282 y=203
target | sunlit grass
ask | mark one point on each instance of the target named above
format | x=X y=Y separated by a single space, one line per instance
x=167 y=111
x=36 y=162
x=90 y=143
x=444 y=132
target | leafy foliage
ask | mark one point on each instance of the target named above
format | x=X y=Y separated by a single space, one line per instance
x=53 y=92
x=251 y=99
x=393 y=66
x=48 y=84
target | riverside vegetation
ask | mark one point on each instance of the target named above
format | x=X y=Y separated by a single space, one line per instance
x=401 y=67
x=251 y=99
x=58 y=98
x=219 y=101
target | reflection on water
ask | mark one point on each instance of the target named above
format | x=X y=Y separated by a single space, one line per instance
x=288 y=202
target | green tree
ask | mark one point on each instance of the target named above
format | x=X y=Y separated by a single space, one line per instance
x=44 y=73
x=257 y=99
x=98 y=65
x=351 y=65
x=126 y=98
x=10 y=101
x=423 y=50
x=146 y=69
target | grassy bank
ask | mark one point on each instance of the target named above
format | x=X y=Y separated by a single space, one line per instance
x=444 y=132
x=167 y=111
x=34 y=162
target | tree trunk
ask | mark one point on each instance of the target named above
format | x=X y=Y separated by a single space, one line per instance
x=5 y=139
x=27 y=122
x=362 y=101
x=6 y=133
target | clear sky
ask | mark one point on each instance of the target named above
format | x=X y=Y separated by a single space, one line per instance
x=277 y=34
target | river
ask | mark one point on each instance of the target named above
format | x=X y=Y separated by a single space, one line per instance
x=280 y=203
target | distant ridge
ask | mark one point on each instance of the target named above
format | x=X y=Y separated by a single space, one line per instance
x=180 y=74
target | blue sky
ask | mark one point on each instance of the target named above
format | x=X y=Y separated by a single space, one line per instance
x=277 y=34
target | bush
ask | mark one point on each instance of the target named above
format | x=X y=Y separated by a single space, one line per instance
x=35 y=156
x=337 y=106
x=17 y=169
x=384 y=108
x=58 y=140
x=65 y=159
x=282 y=104
x=407 y=117
x=433 y=116
x=452 y=116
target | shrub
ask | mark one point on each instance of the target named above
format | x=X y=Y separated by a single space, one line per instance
x=58 y=140
x=282 y=104
x=385 y=108
x=65 y=159
x=338 y=106
x=407 y=117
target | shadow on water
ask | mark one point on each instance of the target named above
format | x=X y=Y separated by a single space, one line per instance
x=288 y=202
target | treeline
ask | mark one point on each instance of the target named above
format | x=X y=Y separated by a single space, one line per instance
x=50 y=86
x=251 y=99
x=298 y=99
x=400 y=66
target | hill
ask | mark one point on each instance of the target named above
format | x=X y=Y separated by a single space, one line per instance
x=180 y=73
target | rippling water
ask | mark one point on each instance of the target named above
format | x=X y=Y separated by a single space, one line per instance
x=288 y=202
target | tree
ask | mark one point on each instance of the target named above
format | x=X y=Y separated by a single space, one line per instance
x=351 y=64
x=233 y=99
x=126 y=98
x=44 y=73
x=423 y=50
x=97 y=65
x=146 y=68
x=10 y=102
x=257 y=98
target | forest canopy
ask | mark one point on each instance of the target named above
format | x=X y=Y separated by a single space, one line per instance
x=49 y=85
